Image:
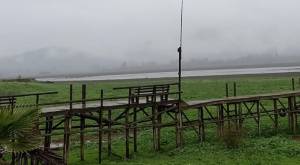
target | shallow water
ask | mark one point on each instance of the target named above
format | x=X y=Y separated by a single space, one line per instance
x=194 y=73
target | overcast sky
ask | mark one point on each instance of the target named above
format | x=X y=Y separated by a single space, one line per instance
x=148 y=29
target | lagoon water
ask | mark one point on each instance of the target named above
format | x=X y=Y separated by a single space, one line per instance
x=193 y=73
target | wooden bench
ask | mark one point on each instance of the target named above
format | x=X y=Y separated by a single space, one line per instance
x=7 y=101
x=152 y=93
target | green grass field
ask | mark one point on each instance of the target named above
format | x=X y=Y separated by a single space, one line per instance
x=266 y=149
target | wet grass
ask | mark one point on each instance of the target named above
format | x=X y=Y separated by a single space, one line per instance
x=266 y=149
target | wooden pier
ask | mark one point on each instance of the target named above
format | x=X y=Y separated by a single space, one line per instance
x=155 y=107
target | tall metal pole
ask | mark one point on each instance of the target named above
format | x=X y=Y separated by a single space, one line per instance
x=179 y=137
x=180 y=49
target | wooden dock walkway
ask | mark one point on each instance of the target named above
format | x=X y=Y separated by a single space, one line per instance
x=155 y=107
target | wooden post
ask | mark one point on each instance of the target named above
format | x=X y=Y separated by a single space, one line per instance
x=67 y=128
x=227 y=106
x=237 y=124
x=100 y=128
x=154 y=119
x=37 y=100
x=219 y=121
x=159 y=120
x=222 y=119
x=82 y=122
x=127 y=134
x=290 y=118
x=258 y=118
x=46 y=143
x=293 y=84
x=48 y=131
x=109 y=142
x=226 y=90
x=240 y=117
x=293 y=115
x=135 y=125
x=127 y=130
x=234 y=89
x=201 y=124
x=236 y=116
x=276 y=114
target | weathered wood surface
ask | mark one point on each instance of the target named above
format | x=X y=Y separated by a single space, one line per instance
x=151 y=107
x=92 y=105
x=235 y=99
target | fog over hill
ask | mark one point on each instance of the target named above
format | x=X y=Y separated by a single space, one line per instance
x=59 y=61
x=62 y=37
x=52 y=61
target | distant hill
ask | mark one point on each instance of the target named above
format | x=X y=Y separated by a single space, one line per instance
x=56 y=61
x=52 y=61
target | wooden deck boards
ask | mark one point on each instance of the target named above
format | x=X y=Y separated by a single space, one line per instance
x=116 y=104
x=189 y=104
x=267 y=96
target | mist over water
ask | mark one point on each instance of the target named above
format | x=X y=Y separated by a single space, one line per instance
x=194 y=73
x=61 y=37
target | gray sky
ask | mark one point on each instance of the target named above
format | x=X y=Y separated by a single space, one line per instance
x=146 y=29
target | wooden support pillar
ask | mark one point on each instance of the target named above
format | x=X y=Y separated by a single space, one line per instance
x=258 y=118
x=292 y=115
x=240 y=117
x=100 y=132
x=293 y=84
x=154 y=120
x=109 y=140
x=234 y=89
x=236 y=108
x=226 y=90
x=220 y=120
x=135 y=125
x=127 y=129
x=236 y=116
x=154 y=128
x=276 y=115
x=295 y=114
x=37 y=100
x=127 y=133
x=295 y=122
x=82 y=122
x=135 y=130
x=159 y=121
x=67 y=128
x=48 y=131
x=201 y=133
x=228 y=107
x=223 y=120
